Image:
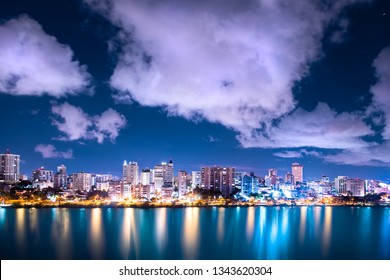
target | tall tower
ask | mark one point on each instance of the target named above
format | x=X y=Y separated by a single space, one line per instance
x=9 y=167
x=130 y=173
x=297 y=172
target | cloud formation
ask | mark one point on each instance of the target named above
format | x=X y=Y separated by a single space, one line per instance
x=376 y=153
x=75 y=124
x=297 y=154
x=35 y=63
x=229 y=62
x=321 y=128
x=50 y=151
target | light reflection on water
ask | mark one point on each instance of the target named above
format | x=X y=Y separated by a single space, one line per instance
x=2 y=217
x=221 y=225
x=190 y=241
x=160 y=231
x=250 y=223
x=96 y=234
x=61 y=235
x=327 y=231
x=20 y=230
x=192 y=233
x=302 y=224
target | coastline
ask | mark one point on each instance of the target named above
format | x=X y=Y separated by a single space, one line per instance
x=166 y=205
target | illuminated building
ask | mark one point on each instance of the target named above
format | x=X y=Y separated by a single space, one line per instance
x=42 y=174
x=250 y=184
x=355 y=187
x=196 y=179
x=9 y=167
x=297 y=172
x=145 y=177
x=82 y=181
x=59 y=179
x=289 y=178
x=130 y=172
x=163 y=175
x=182 y=183
x=340 y=184
x=218 y=179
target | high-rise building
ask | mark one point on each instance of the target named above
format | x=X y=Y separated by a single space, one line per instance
x=82 y=181
x=196 y=179
x=182 y=183
x=163 y=175
x=60 y=177
x=355 y=187
x=289 y=178
x=297 y=172
x=145 y=177
x=41 y=174
x=250 y=184
x=9 y=167
x=218 y=179
x=130 y=172
x=61 y=169
x=340 y=184
x=272 y=177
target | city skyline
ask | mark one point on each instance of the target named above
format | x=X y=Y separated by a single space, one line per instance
x=205 y=84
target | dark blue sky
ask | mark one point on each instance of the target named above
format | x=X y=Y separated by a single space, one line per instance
x=249 y=84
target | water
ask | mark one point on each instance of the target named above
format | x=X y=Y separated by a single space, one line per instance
x=196 y=233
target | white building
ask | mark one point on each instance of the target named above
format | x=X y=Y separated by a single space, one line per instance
x=82 y=181
x=130 y=172
x=9 y=167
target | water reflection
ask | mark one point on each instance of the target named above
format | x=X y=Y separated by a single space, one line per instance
x=20 y=230
x=317 y=215
x=96 y=234
x=190 y=241
x=61 y=233
x=221 y=225
x=302 y=224
x=2 y=217
x=327 y=231
x=33 y=220
x=385 y=234
x=161 y=229
x=192 y=233
x=250 y=223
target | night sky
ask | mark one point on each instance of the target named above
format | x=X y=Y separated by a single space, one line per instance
x=243 y=83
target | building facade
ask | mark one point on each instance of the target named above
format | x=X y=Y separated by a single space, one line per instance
x=9 y=167
x=130 y=172
x=297 y=172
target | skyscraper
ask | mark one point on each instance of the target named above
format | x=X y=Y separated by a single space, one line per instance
x=297 y=172
x=42 y=174
x=218 y=179
x=82 y=181
x=130 y=172
x=145 y=177
x=9 y=167
x=60 y=177
x=182 y=182
x=340 y=184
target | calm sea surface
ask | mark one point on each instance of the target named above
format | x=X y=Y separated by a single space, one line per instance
x=196 y=233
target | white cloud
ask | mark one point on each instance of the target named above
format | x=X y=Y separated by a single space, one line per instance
x=298 y=154
x=321 y=128
x=35 y=63
x=230 y=62
x=375 y=154
x=212 y=139
x=50 y=151
x=77 y=125
x=381 y=90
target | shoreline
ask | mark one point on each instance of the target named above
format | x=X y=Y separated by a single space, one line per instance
x=153 y=206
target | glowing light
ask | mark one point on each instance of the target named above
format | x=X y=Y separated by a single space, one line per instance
x=191 y=233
